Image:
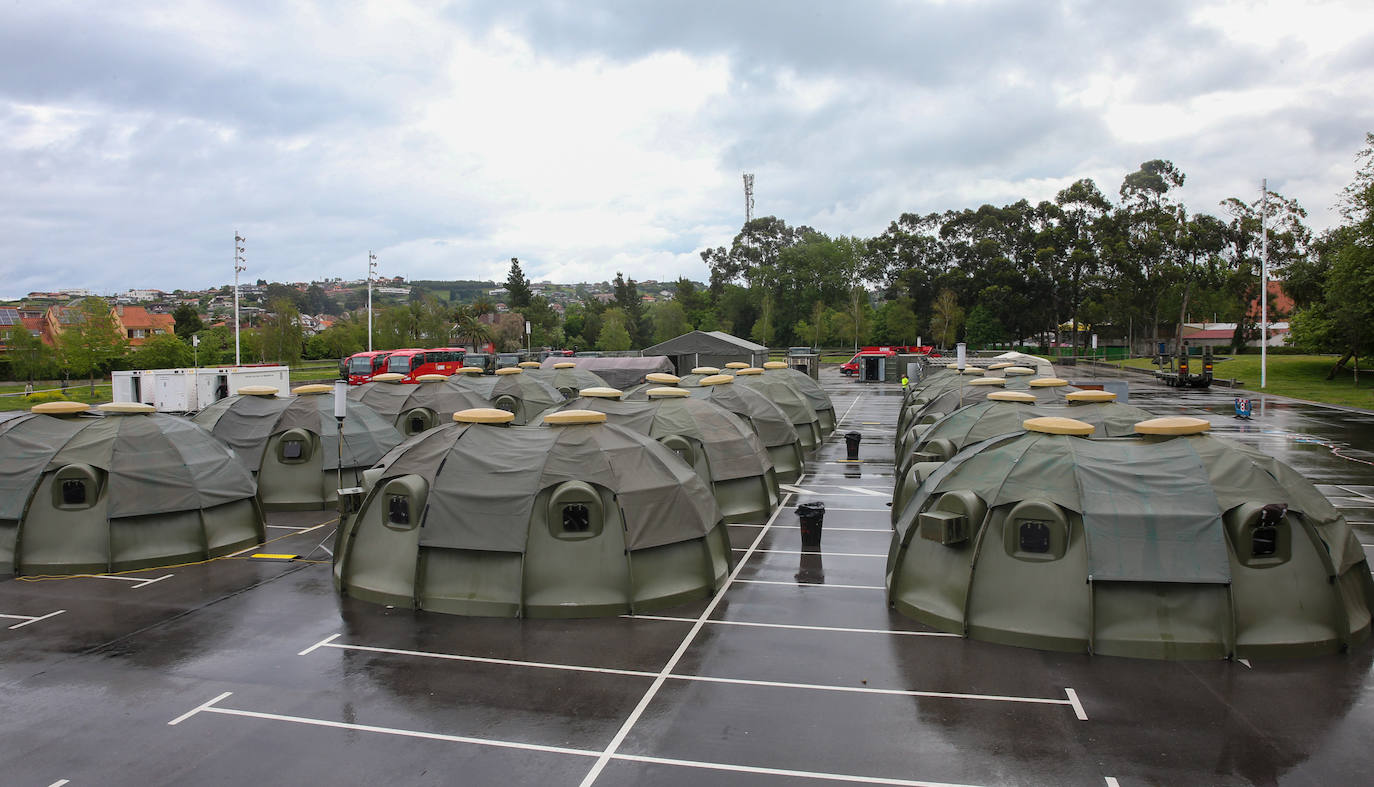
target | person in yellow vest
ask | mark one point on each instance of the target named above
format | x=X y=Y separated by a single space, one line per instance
x=904 y=382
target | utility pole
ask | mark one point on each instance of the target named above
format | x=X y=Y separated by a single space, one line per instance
x=371 y=273
x=1264 y=281
x=239 y=267
x=748 y=197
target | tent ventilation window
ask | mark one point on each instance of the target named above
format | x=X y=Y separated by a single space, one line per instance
x=576 y=519
x=291 y=449
x=506 y=402
x=294 y=447
x=398 y=510
x=417 y=425
x=575 y=512
x=74 y=492
x=1034 y=537
x=682 y=447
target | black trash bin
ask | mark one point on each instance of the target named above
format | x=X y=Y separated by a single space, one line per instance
x=851 y=444
x=812 y=517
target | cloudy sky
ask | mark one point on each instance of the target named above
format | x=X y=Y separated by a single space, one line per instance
x=586 y=136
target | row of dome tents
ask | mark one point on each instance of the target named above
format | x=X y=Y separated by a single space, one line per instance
x=600 y=490
x=119 y=489
x=1016 y=522
x=292 y=444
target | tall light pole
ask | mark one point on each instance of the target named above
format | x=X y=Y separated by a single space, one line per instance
x=1264 y=281
x=239 y=267
x=371 y=274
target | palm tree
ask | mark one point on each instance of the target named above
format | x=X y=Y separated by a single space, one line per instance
x=468 y=326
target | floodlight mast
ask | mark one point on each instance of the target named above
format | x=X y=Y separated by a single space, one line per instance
x=371 y=273
x=1264 y=281
x=239 y=267
x=748 y=197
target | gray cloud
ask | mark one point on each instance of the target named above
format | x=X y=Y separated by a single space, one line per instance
x=136 y=139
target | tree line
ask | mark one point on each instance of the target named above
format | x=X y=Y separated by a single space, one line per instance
x=1131 y=269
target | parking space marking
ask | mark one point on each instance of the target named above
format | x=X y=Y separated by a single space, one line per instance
x=289 y=527
x=815 y=552
x=828 y=528
x=139 y=582
x=864 y=491
x=27 y=619
x=60 y=782
x=1071 y=701
x=800 y=627
x=1112 y=782
x=807 y=584
x=213 y=707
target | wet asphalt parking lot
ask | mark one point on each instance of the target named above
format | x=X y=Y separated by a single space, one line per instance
x=244 y=672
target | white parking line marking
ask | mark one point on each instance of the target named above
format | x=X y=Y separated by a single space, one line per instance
x=319 y=645
x=202 y=707
x=809 y=584
x=817 y=775
x=799 y=627
x=795 y=489
x=817 y=552
x=1077 y=706
x=288 y=527
x=887 y=530
x=60 y=782
x=863 y=491
x=30 y=618
x=209 y=707
x=1112 y=782
x=138 y=581
x=503 y=662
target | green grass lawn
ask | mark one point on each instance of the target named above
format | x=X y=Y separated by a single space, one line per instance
x=1298 y=376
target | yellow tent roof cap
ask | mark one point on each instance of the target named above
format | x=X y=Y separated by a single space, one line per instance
x=749 y=370
x=667 y=393
x=483 y=415
x=60 y=408
x=1002 y=365
x=988 y=381
x=705 y=370
x=388 y=377
x=1090 y=396
x=716 y=379
x=312 y=389
x=127 y=408
x=257 y=390
x=510 y=370
x=1048 y=382
x=736 y=365
x=431 y=378
x=529 y=364
x=601 y=392
x=775 y=365
x=565 y=365
x=951 y=366
x=1057 y=425
x=1012 y=396
x=468 y=370
x=663 y=378
x=571 y=417
x=1178 y=424
x=971 y=370
x=1016 y=370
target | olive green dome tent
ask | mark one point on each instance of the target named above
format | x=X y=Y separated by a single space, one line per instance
x=769 y=422
x=576 y=520
x=799 y=410
x=569 y=379
x=510 y=389
x=940 y=441
x=1156 y=546
x=721 y=448
x=291 y=444
x=414 y=407
x=122 y=492
x=640 y=392
x=809 y=388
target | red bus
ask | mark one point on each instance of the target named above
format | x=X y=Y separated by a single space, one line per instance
x=359 y=368
x=852 y=367
x=413 y=363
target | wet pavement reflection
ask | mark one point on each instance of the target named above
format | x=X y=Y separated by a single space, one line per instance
x=798 y=673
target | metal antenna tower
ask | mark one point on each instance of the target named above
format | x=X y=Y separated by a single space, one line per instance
x=239 y=267
x=748 y=197
x=371 y=274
